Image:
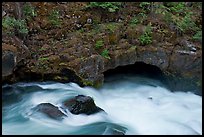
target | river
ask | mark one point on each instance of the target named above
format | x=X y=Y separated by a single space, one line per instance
x=134 y=105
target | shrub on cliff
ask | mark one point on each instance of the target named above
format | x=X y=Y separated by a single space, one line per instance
x=11 y=26
x=110 y=6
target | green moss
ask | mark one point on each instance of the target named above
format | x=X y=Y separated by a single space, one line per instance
x=199 y=83
x=111 y=27
x=92 y=84
x=61 y=78
x=62 y=64
x=97 y=85
x=133 y=47
x=87 y=83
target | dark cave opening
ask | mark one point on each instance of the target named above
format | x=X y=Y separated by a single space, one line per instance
x=138 y=69
x=171 y=82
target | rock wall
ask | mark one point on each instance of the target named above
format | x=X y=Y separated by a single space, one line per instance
x=69 y=53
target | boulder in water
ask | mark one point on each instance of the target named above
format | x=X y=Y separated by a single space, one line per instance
x=82 y=105
x=49 y=110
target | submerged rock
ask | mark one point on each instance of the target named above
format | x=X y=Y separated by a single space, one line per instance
x=82 y=105
x=49 y=110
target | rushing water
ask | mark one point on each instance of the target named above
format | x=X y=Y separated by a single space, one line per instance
x=133 y=105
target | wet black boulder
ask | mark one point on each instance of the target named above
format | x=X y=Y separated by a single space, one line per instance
x=49 y=110
x=81 y=105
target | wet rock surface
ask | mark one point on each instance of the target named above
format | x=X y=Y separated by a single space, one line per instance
x=82 y=105
x=9 y=54
x=49 y=110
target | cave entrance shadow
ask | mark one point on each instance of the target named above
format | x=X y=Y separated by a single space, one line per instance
x=139 y=69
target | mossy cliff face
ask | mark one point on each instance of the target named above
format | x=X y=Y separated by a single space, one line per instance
x=68 y=42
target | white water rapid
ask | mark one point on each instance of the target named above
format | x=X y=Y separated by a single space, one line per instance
x=134 y=105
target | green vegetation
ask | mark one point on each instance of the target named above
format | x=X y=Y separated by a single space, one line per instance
x=21 y=26
x=111 y=27
x=134 y=20
x=81 y=30
x=8 y=22
x=186 y=23
x=54 y=18
x=198 y=35
x=11 y=25
x=179 y=14
x=105 y=54
x=110 y=6
x=99 y=44
x=146 y=38
x=144 y=5
x=29 y=11
x=138 y=19
x=178 y=7
x=161 y=9
x=142 y=15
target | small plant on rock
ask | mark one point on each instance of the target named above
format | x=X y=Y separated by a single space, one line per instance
x=111 y=27
x=138 y=19
x=186 y=23
x=145 y=5
x=99 y=44
x=198 y=35
x=134 y=20
x=105 y=54
x=178 y=7
x=54 y=18
x=146 y=38
x=12 y=26
x=110 y=6
x=29 y=11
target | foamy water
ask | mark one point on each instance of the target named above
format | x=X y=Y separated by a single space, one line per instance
x=136 y=105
